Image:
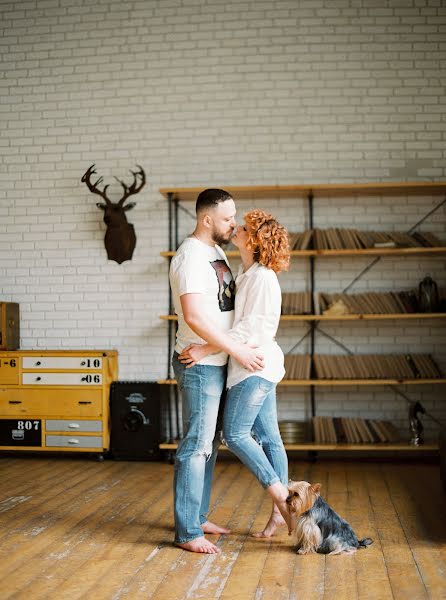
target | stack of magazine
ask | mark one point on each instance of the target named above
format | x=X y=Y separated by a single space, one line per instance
x=351 y=430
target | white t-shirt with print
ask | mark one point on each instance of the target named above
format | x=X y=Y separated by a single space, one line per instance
x=201 y=269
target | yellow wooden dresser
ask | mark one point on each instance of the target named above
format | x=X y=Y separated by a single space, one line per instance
x=54 y=400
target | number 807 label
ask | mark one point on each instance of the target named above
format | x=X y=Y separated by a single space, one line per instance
x=21 y=432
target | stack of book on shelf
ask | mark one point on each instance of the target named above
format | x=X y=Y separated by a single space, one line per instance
x=297 y=366
x=350 y=430
x=296 y=303
x=293 y=432
x=343 y=239
x=362 y=366
x=379 y=303
x=376 y=366
x=301 y=241
x=372 y=302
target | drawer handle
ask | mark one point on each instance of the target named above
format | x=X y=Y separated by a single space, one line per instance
x=38 y=378
x=38 y=363
x=74 y=426
x=15 y=402
x=84 y=402
x=73 y=441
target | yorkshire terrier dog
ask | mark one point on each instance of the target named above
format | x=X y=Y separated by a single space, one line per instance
x=317 y=527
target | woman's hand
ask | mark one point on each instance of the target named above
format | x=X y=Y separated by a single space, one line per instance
x=194 y=353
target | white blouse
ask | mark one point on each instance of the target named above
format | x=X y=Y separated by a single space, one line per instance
x=258 y=302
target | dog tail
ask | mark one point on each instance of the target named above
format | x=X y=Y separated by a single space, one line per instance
x=365 y=542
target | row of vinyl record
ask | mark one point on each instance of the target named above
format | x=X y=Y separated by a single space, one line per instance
x=299 y=303
x=362 y=366
x=352 y=430
x=294 y=432
x=339 y=239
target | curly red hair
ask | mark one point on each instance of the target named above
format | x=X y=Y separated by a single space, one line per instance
x=268 y=240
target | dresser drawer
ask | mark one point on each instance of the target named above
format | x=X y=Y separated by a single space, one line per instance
x=70 y=441
x=51 y=402
x=56 y=400
x=87 y=379
x=61 y=362
x=72 y=425
x=9 y=369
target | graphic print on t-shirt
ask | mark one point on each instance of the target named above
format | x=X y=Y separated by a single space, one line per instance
x=226 y=285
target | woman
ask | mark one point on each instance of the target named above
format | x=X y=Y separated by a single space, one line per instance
x=250 y=407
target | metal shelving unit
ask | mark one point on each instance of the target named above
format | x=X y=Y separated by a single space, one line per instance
x=310 y=193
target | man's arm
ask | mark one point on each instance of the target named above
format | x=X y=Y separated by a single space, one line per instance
x=248 y=357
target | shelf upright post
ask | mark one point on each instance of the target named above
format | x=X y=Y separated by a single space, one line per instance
x=169 y=335
x=175 y=326
x=312 y=323
x=175 y=220
x=170 y=310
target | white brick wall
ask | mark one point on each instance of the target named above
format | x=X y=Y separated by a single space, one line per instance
x=212 y=93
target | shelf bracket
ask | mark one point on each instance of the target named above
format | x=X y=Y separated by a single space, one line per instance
x=427 y=215
x=409 y=231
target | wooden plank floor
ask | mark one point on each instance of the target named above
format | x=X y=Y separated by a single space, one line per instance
x=74 y=528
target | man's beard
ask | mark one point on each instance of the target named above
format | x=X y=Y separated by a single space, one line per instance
x=219 y=239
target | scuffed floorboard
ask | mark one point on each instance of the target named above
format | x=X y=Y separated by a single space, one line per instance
x=72 y=528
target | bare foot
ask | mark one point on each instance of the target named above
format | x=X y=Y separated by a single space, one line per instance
x=285 y=513
x=279 y=494
x=200 y=544
x=276 y=520
x=210 y=527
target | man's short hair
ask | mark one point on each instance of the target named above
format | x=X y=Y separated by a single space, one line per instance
x=210 y=199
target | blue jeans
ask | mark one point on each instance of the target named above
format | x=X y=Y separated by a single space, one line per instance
x=201 y=390
x=250 y=410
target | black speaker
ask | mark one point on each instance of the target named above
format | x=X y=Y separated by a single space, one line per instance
x=135 y=420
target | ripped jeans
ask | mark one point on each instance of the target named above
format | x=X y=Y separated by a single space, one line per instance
x=251 y=431
x=201 y=390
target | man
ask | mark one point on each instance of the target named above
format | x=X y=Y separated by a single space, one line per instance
x=203 y=293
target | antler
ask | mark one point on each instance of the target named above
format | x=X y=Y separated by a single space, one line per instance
x=93 y=186
x=133 y=189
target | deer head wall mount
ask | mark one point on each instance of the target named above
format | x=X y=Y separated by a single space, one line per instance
x=120 y=238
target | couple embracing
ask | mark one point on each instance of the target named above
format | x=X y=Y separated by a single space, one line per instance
x=219 y=318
